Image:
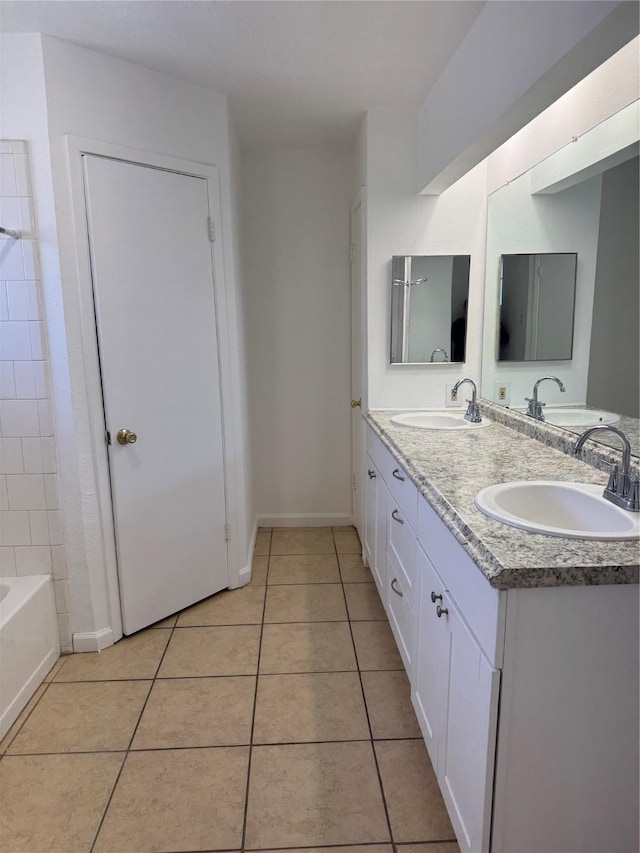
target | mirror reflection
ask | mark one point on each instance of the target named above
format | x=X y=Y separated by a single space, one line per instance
x=429 y=296
x=592 y=217
x=537 y=294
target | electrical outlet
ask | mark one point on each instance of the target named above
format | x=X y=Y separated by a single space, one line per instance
x=502 y=393
x=451 y=398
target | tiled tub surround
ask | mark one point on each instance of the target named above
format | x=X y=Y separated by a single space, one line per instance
x=30 y=524
x=273 y=716
x=450 y=468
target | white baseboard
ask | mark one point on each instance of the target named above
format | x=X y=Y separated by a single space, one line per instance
x=306 y=520
x=93 y=641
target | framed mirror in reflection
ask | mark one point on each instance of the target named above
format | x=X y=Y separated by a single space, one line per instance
x=537 y=296
x=429 y=296
x=581 y=209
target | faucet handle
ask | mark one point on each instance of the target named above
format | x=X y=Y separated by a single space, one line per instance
x=612 y=485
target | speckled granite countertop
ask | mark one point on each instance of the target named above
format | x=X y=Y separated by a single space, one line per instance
x=449 y=468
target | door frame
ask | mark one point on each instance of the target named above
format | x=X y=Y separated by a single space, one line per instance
x=358 y=297
x=86 y=468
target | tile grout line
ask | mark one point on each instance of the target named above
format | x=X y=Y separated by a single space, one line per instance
x=366 y=710
x=133 y=734
x=255 y=701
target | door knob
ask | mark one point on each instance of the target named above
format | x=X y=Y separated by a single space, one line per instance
x=126 y=436
x=355 y=404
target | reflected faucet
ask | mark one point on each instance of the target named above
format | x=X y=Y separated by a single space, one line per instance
x=443 y=351
x=534 y=410
x=473 y=411
x=621 y=489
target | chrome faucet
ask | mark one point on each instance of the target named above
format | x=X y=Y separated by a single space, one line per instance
x=473 y=411
x=534 y=410
x=621 y=489
x=443 y=351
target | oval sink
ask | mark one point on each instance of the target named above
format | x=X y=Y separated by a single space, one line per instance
x=569 y=510
x=435 y=420
x=582 y=418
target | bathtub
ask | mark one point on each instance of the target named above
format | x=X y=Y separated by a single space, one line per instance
x=29 y=641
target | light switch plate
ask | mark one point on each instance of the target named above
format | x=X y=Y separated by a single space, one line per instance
x=450 y=401
x=502 y=393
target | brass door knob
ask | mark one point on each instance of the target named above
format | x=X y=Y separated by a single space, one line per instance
x=126 y=436
x=356 y=403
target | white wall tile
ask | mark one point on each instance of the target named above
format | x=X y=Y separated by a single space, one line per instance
x=34 y=300
x=11 y=456
x=39 y=526
x=30 y=259
x=12 y=259
x=14 y=528
x=19 y=418
x=51 y=491
x=34 y=560
x=4 y=498
x=55 y=527
x=7 y=563
x=59 y=559
x=49 y=459
x=17 y=300
x=26 y=491
x=27 y=226
x=7 y=381
x=11 y=213
x=23 y=182
x=45 y=416
x=6 y=147
x=15 y=342
x=64 y=629
x=4 y=305
x=19 y=146
x=25 y=380
x=61 y=590
x=38 y=348
x=8 y=182
x=41 y=377
x=32 y=456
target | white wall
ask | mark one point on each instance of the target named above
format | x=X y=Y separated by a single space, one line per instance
x=399 y=222
x=87 y=94
x=296 y=207
x=516 y=60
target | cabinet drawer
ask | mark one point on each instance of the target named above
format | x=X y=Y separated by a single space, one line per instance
x=400 y=613
x=397 y=480
x=401 y=541
x=481 y=604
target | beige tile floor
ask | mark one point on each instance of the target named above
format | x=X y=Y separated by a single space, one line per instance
x=274 y=716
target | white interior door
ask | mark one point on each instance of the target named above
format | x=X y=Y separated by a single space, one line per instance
x=357 y=452
x=152 y=276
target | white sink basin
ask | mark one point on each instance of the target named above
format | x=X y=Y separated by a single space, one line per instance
x=435 y=420
x=569 y=510
x=582 y=418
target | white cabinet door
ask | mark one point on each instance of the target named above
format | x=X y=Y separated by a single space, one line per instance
x=369 y=542
x=466 y=764
x=379 y=567
x=431 y=670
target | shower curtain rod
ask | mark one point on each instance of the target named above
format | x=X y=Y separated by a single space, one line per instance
x=10 y=232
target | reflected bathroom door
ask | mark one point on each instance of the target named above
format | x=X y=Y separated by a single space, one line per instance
x=152 y=272
x=357 y=385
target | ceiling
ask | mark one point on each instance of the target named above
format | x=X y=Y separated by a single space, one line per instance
x=295 y=72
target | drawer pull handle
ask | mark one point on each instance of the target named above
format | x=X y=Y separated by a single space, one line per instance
x=372 y=474
x=396 y=517
x=397 y=591
x=435 y=597
x=396 y=474
x=441 y=610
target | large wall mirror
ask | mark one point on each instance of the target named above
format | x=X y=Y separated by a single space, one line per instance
x=577 y=211
x=429 y=296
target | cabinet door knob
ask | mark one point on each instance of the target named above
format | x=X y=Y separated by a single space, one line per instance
x=396 y=474
x=372 y=474
x=435 y=597
x=441 y=610
x=396 y=517
x=397 y=591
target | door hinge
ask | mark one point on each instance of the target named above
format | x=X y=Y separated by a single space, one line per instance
x=352 y=252
x=107 y=436
x=353 y=482
x=227 y=532
x=212 y=230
